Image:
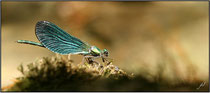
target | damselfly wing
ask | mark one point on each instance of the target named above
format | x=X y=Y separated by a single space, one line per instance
x=58 y=41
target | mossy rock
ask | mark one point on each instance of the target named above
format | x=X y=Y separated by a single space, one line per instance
x=57 y=74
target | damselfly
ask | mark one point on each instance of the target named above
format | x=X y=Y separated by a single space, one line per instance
x=55 y=39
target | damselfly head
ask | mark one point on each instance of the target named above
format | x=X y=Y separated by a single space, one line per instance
x=105 y=53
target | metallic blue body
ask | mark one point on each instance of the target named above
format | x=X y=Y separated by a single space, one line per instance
x=55 y=39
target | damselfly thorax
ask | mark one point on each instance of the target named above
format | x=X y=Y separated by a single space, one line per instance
x=94 y=52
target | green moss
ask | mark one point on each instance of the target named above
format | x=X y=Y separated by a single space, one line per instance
x=57 y=74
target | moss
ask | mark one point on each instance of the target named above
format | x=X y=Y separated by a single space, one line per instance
x=57 y=74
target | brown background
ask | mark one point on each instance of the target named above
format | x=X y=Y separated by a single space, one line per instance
x=159 y=39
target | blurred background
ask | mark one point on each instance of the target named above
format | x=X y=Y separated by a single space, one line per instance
x=168 y=40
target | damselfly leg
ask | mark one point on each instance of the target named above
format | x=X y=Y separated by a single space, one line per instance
x=108 y=61
x=69 y=58
x=91 y=60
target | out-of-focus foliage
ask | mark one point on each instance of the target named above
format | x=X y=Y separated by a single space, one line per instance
x=57 y=74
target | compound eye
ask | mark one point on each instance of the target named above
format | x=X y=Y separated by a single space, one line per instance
x=106 y=53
